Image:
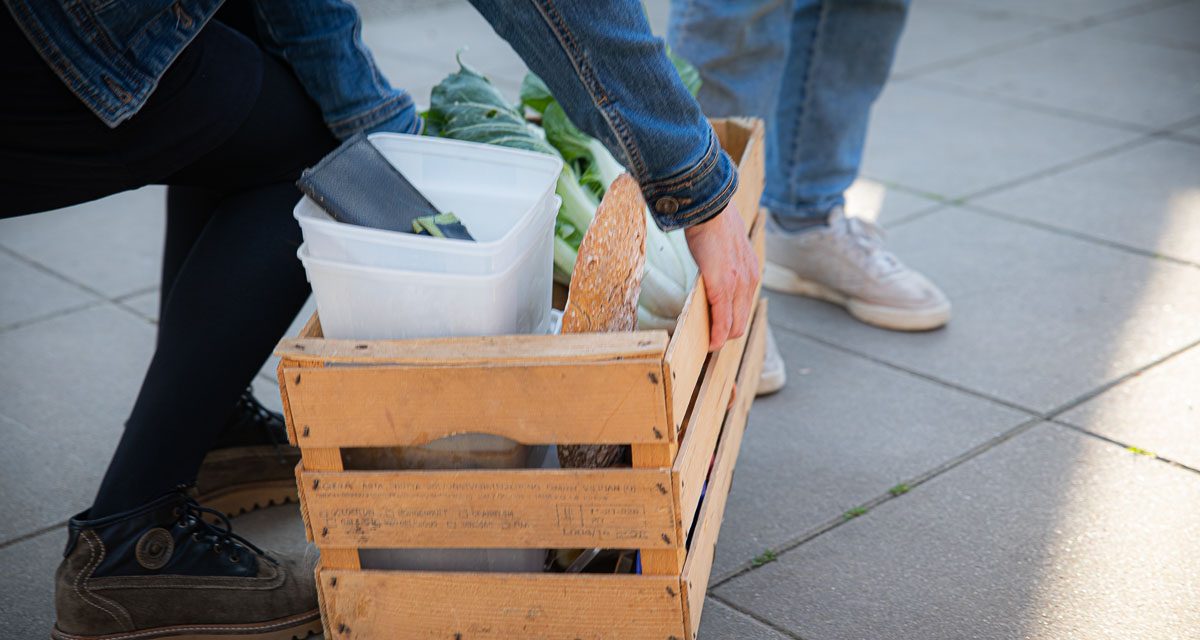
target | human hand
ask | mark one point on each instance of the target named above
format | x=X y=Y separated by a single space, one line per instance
x=730 y=269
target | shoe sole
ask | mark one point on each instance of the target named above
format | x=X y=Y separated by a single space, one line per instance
x=784 y=280
x=244 y=498
x=770 y=382
x=297 y=627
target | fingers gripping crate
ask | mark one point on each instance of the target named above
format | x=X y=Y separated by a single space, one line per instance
x=682 y=411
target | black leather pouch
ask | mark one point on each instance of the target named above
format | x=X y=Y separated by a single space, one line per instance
x=356 y=185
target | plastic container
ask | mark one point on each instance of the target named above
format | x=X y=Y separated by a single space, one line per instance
x=372 y=303
x=505 y=197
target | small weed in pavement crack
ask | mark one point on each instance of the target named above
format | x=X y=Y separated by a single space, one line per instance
x=765 y=557
x=854 y=513
x=899 y=489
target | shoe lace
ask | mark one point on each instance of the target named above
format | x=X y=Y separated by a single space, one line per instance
x=868 y=238
x=191 y=514
x=262 y=418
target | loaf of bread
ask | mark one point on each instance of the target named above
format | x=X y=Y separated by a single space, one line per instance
x=604 y=290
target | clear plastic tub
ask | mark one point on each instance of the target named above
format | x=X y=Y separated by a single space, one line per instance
x=505 y=197
x=372 y=303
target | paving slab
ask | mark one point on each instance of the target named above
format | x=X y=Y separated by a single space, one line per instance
x=27 y=585
x=1158 y=410
x=720 y=622
x=1122 y=80
x=1147 y=197
x=949 y=145
x=417 y=51
x=27 y=293
x=61 y=469
x=416 y=48
x=941 y=31
x=68 y=388
x=1051 y=535
x=112 y=245
x=1191 y=133
x=842 y=432
x=144 y=304
x=1040 y=318
x=872 y=200
x=1066 y=11
x=1175 y=25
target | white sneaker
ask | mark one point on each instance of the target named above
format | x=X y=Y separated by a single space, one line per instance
x=846 y=263
x=774 y=373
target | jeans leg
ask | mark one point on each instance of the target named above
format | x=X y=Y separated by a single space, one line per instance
x=739 y=47
x=840 y=54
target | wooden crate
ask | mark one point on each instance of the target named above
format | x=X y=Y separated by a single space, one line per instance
x=667 y=398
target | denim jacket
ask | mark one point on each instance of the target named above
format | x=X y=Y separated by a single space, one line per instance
x=599 y=59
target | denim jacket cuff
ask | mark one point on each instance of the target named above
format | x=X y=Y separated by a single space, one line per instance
x=696 y=194
x=396 y=115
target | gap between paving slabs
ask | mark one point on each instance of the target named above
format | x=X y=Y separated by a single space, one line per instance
x=773 y=554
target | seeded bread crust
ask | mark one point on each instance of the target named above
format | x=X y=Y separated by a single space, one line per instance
x=604 y=289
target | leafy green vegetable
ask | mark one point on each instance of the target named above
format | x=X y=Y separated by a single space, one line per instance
x=535 y=94
x=465 y=106
x=687 y=72
x=443 y=225
x=578 y=147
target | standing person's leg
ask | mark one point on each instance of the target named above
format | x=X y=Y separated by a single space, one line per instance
x=838 y=57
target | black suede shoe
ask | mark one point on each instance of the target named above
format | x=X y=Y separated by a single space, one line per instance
x=252 y=465
x=163 y=571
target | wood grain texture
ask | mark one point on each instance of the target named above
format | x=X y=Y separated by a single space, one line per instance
x=686 y=354
x=704 y=426
x=698 y=568
x=742 y=139
x=596 y=403
x=662 y=562
x=476 y=509
x=401 y=605
x=482 y=351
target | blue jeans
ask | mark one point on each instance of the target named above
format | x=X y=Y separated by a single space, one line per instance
x=810 y=68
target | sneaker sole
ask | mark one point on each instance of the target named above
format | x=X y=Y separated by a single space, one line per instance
x=244 y=498
x=784 y=280
x=297 y=627
x=770 y=382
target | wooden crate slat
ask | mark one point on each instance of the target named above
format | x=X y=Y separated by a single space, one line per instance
x=686 y=354
x=698 y=568
x=704 y=427
x=593 y=403
x=742 y=138
x=610 y=508
x=668 y=561
x=368 y=605
x=480 y=351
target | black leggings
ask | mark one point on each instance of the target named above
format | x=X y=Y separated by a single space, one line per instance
x=231 y=280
